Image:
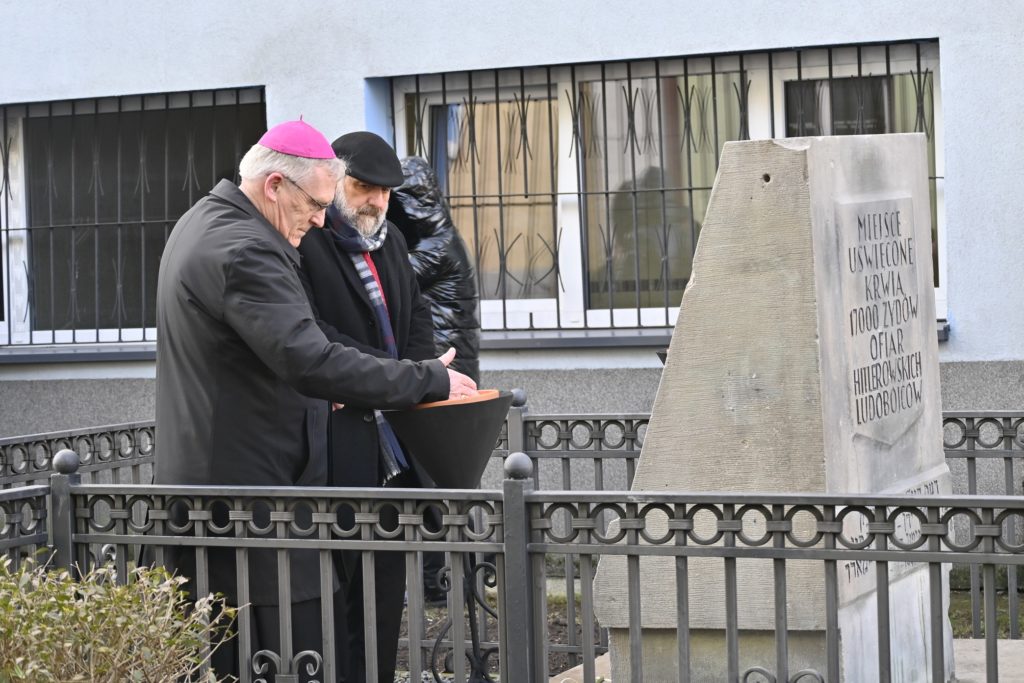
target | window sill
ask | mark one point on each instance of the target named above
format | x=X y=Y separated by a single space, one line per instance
x=77 y=353
x=574 y=339
x=594 y=338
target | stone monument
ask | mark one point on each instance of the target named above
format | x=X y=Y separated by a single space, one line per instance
x=804 y=359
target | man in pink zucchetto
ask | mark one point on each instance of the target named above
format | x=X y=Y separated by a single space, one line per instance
x=245 y=378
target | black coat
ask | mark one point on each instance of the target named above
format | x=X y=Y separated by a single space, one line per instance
x=346 y=316
x=241 y=364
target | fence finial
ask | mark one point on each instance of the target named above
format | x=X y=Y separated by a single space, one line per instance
x=518 y=465
x=66 y=461
x=518 y=397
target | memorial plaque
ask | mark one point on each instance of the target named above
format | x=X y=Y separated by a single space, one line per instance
x=883 y=304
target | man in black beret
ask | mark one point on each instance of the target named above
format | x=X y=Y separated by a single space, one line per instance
x=365 y=295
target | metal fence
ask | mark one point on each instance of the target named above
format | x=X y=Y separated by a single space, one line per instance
x=983 y=448
x=23 y=522
x=520 y=527
x=546 y=533
x=116 y=454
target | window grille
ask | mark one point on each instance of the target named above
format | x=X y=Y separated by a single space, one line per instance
x=580 y=189
x=90 y=191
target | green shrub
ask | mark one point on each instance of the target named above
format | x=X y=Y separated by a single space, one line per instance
x=56 y=628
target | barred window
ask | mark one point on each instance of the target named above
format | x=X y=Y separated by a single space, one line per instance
x=92 y=189
x=580 y=189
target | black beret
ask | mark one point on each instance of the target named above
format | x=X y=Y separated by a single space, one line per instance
x=369 y=158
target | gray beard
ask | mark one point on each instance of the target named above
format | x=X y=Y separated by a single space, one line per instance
x=366 y=224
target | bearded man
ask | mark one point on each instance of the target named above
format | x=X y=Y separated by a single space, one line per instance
x=365 y=295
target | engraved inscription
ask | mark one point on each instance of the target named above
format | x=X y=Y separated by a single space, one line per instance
x=857 y=577
x=882 y=320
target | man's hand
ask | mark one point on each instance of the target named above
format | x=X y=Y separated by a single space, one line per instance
x=459 y=386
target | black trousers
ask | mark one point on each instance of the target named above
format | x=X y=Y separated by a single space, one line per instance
x=389 y=601
x=388 y=598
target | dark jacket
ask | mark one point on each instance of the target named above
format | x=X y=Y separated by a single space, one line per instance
x=241 y=364
x=346 y=316
x=442 y=264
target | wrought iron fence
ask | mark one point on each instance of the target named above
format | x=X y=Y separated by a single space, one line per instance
x=114 y=454
x=24 y=522
x=581 y=453
x=662 y=538
x=571 y=452
x=255 y=531
x=770 y=534
x=985 y=453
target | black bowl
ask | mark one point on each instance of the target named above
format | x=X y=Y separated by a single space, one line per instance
x=453 y=440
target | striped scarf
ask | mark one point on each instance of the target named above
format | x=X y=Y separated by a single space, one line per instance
x=358 y=249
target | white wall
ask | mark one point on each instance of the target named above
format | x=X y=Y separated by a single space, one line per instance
x=314 y=59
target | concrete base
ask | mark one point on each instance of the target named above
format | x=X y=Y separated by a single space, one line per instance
x=581 y=391
x=32 y=406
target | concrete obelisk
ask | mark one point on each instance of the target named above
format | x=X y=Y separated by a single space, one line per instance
x=804 y=359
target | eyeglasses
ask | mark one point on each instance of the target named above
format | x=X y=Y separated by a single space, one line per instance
x=320 y=206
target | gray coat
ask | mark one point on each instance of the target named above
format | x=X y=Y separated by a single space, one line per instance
x=244 y=375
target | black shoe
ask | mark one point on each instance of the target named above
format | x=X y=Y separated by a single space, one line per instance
x=434 y=597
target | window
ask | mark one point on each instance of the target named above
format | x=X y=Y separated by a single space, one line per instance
x=511 y=203
x=849 y=106
x=860 y=105
x=92 y=188
x=580 y=189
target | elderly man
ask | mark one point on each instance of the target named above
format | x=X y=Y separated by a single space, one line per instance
x=365 y=295
x=245 y=375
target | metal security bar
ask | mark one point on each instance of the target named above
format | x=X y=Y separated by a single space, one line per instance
x=89 y=191
x=581 y=188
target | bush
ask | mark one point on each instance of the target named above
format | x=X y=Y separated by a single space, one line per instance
x=57 y=628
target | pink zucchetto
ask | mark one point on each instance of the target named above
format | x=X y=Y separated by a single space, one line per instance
x=297 y=139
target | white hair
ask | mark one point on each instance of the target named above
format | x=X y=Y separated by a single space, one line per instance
x=261 y=161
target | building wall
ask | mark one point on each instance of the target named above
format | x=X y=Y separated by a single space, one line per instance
x=315 y=60
x=31 y=405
